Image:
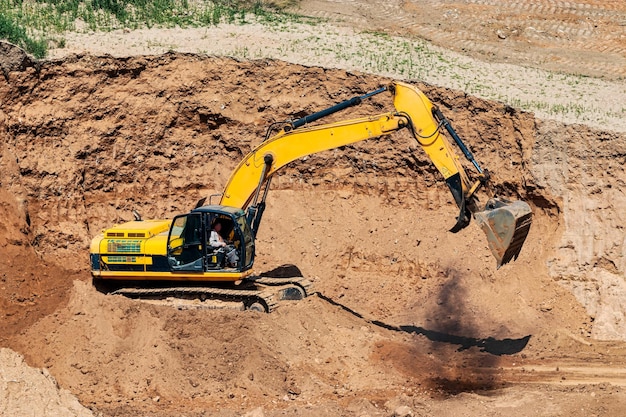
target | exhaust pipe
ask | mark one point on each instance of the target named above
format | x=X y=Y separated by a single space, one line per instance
x=506 y=224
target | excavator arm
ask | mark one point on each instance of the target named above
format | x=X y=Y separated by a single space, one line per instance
x=506 y=224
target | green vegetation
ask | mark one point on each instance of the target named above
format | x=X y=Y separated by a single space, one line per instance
x=15 y=33
x=32 y=23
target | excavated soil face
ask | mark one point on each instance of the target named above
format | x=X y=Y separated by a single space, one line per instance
x=438 y=329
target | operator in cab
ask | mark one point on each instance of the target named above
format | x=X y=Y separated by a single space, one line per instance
x=217 y=241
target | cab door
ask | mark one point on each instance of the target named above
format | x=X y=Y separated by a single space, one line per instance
x=186 y=243
x=247 y=243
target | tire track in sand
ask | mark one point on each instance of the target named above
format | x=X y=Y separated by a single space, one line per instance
x=587 y=38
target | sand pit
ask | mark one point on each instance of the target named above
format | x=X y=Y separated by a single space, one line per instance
x=410 y=318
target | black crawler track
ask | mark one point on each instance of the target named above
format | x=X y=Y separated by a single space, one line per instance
x=254 y=292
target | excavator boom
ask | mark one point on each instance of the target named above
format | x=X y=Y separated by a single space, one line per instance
x=286 y=147
x=506 y=224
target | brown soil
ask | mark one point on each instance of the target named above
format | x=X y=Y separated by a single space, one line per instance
x=410 y=318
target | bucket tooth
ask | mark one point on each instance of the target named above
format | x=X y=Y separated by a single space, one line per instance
x=506 y=224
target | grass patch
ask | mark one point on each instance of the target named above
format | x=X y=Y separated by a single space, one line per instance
x=32 y=23
x=17 y=34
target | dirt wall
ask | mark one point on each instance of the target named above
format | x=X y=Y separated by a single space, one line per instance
x=585 y=170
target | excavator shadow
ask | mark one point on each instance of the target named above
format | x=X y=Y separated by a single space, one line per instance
x=283 y=271
x=477 y=370
x=489 y=345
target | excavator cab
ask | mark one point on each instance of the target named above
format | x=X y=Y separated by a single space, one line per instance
x=188 y=242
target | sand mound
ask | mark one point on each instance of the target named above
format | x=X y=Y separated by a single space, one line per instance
x=33 y=392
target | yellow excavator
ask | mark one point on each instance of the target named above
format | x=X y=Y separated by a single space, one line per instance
x=209 y=252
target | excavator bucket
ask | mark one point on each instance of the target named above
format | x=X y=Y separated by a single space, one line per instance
x=506 y=224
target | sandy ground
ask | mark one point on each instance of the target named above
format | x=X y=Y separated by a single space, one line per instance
x=438 y=331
